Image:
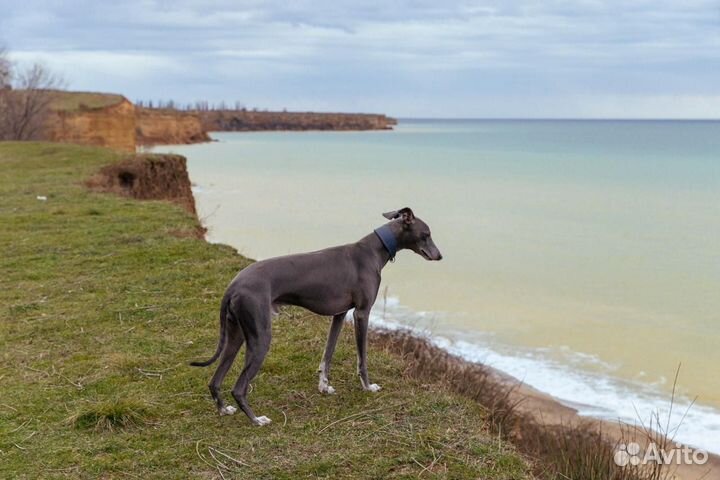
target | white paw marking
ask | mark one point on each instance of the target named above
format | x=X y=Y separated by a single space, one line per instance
x=327 y=389
x=263 y=420
x=227 y=410
x=324 y=387
x=373 y=387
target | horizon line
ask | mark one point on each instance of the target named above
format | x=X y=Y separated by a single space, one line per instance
x=570 y=119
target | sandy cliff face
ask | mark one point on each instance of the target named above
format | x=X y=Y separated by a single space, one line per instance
x=111 y=126
x=237 y=121
x=163 y=127
x=107 y=120
x=148 y=177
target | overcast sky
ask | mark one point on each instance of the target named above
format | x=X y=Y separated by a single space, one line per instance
x=440 y=58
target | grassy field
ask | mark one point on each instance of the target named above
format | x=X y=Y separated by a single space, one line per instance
x=104 y=300
x=72 y=101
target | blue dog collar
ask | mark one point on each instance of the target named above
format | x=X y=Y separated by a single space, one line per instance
x=387 y=237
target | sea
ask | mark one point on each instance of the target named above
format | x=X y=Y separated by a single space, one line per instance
x=580 y=256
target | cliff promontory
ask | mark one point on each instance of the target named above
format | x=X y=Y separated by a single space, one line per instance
x=245 y=120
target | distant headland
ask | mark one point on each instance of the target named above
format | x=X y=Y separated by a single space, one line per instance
x=111 y=120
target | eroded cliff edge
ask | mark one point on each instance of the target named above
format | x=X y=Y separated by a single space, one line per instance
x=148 y=177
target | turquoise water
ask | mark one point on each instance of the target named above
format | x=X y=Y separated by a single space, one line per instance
x=580 y=256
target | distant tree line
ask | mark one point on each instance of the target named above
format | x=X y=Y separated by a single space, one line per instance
x=197 y=106
x=25 y=99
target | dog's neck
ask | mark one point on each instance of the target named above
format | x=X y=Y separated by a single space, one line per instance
x=380 y=253
x=389 y=240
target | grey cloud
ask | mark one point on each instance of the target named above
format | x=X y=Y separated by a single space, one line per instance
x=346 y=53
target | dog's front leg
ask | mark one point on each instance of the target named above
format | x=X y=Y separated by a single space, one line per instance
x=361 y=329
x=324 y=368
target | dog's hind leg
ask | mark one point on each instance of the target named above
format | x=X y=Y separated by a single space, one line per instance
x=233 y=342
x=324 y=368
x=361 y=329
x=258 y=333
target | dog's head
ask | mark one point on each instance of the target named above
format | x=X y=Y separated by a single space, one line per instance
x=413 y=233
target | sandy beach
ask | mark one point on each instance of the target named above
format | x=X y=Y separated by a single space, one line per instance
x=551 y=411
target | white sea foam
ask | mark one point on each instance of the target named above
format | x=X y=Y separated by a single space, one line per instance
x=600 y=395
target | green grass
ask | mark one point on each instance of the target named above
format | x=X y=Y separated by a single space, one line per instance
x=72 y=101
x=103 y=303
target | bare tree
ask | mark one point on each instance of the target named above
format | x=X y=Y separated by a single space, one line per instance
x=24 y=109
x=5 y=69
x=5 y=79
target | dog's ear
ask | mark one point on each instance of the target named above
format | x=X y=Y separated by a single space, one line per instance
x=406 y=213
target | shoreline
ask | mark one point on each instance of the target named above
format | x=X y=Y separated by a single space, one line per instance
x=547 y=411
x=552 y=411
x=596 y=394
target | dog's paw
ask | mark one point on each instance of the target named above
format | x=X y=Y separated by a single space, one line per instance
x=373 y=387
x=327 y=389
x=227 y=410
x=324 y=387
x=262 y=421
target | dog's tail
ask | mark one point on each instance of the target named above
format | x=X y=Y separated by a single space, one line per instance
x=221 y=343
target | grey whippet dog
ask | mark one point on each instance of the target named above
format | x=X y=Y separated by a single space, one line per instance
x=326 y=282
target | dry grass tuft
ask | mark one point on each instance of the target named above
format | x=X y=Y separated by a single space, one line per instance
x=111 y=415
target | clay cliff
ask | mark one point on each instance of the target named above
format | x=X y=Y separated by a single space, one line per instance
x=110 y=126
x=240 y=121
x=148 y=177
x=163 y=127
x=108 y=120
